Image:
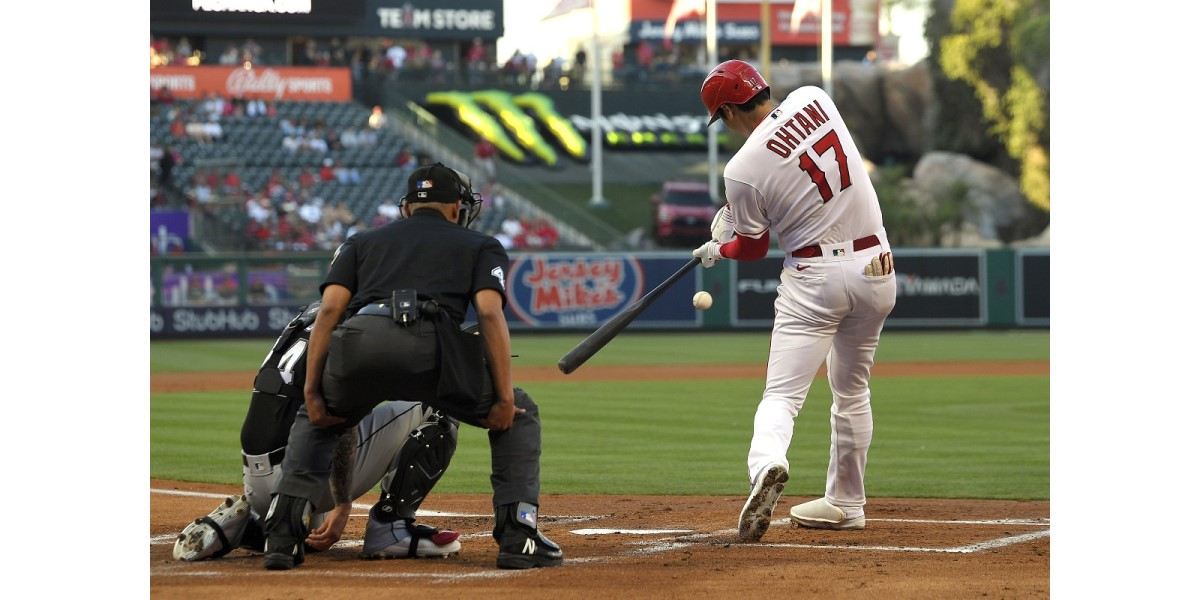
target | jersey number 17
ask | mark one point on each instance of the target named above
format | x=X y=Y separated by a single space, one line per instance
x=829 y=140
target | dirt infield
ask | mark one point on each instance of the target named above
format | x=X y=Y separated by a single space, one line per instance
x=241 y=380
x=911 y=548
x=644 y=546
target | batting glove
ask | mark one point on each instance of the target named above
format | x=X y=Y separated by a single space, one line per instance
x=708 y=254
x=722 y=225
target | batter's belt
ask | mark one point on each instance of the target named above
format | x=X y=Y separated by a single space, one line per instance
x=814 y=250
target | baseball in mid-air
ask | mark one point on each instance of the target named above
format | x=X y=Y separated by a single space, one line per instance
x=702 y=300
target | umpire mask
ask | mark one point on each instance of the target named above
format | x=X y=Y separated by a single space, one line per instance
x=439 y=183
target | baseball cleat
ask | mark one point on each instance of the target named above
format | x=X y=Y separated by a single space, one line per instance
x=216 y=534
x=756 y=513
x=820 y=514
x=400 y=539
x=522 y=546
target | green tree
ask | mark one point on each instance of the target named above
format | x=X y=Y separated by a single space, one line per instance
x=1001 y=49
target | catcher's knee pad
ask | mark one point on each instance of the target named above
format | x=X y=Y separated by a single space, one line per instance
x=419 y=465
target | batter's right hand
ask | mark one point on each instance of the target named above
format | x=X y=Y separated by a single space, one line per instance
x=708 y=254
x=314 y=404
x=500 y=418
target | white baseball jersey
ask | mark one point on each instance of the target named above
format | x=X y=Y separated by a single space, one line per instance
x=800 y=175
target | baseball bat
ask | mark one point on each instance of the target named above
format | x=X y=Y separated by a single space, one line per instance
x=609 y=330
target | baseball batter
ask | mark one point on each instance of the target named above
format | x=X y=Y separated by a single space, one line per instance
x=799 y=177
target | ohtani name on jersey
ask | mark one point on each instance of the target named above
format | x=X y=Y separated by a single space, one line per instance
x=797 y=129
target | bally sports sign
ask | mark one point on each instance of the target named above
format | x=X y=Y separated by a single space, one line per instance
x=584 y=290
x=269 y=83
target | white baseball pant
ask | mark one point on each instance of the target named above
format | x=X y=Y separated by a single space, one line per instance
x=826 y=308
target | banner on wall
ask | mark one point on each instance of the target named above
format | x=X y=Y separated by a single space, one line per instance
x=328 y=84
x=585 y=290
x=219 y=321
x=1033 y=281
x=934 y=288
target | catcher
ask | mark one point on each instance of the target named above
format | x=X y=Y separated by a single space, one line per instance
x=406 y=445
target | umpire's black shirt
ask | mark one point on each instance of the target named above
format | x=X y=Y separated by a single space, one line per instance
x=425 y=252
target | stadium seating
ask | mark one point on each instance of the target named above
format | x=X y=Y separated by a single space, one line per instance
x=253 y=147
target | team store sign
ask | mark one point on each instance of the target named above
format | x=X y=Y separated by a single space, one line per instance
x=323 y=84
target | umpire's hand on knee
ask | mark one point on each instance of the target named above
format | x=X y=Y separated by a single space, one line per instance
x=500 y=418
x=314 y=405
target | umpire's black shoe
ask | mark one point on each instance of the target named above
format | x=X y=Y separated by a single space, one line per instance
x=522 y=546
x=286 y=528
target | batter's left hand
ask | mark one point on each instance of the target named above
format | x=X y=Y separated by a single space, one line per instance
x=709 y=253
x=325 y=536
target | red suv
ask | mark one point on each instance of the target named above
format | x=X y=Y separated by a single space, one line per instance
x=683 y=212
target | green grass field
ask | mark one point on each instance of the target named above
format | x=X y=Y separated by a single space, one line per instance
x=960 y=437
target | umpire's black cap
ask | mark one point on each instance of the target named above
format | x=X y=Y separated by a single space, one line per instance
x=434 y=183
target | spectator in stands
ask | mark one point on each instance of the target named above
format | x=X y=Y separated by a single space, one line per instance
x=251 y=52
x=396 y=55
x=514 y=231
x=256 y=108
x=541 y=234
x=178 y=129
x=476 y=62
x=183 y=50
x=166 y=164
x=645 y=59
x=378 y=119
x=327 y=170
x=229 y=56
x=438 y=67
x=310 y=210
x=346 y=175
x=386 y=212
x=258 y=208
x=403 y=158
x=232 y=184
x=552 y=73
x=485 y=159
x=306 y=179
x=201 y=192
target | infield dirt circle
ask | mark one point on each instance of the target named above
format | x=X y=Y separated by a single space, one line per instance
x=643 y=546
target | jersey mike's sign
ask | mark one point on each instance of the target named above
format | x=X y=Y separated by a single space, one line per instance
x=568 y=291
x=271 y=83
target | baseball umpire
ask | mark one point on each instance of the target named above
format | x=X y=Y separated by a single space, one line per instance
x=407 y=445
x=407 y=286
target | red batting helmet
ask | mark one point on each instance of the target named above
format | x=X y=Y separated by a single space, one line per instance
x=731 y=82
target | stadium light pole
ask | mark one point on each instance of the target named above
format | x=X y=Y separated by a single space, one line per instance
x=827 y=46
x=710 y=17
x=597 y=200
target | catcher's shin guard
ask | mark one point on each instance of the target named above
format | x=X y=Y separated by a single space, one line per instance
x=419 y=465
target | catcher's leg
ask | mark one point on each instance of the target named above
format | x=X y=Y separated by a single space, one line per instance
x=237 y=521
x=420 y=463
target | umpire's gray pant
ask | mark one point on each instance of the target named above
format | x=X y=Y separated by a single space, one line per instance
x=372 y=358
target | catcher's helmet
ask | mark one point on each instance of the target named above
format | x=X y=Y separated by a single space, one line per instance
x=731 y=82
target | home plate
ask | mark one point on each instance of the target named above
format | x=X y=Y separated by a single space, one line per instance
x=628 y=531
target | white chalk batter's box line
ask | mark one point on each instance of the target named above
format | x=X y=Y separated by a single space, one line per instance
x=666 y=544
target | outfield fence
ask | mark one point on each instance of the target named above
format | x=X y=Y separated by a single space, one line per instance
x=254 y=295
